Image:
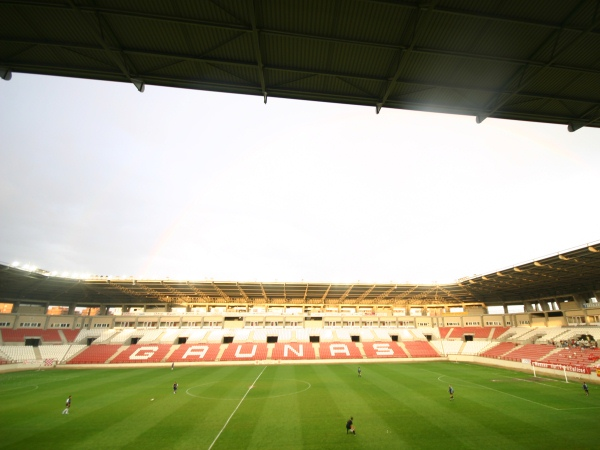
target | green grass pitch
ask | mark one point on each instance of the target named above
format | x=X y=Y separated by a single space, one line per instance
x=394 y=405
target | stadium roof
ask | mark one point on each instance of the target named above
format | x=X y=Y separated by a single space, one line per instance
x=535 y=60
x=572 y=273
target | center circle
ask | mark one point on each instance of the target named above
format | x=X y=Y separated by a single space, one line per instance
x=234 y=390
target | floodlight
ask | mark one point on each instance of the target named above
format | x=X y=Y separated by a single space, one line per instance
x=139 y=84
x=574 y=126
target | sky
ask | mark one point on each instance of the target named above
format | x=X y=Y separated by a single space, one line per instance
x=98 y=178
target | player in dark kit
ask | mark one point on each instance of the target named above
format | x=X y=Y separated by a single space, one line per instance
x=585 y=388
x=451 y=392
x=350 y=426
x=175 y=386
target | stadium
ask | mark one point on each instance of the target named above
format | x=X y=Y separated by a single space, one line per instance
x=284 y=364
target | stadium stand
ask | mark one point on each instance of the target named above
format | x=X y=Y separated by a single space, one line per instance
x=573 y=357
x=245 y=352
x=170 y=336
x=499 y=331
x=476 y=347
x=95 y=354
x=99 y=336
x=196 y=336
x=383 y=335
x=195 y=353
x=19 y=335
x=476 y=332
x=71 y=335
x=444 y=332
x=241 y=335
x=123 y=335
x=59 y=353
x=148 y=353
x=573 y=347
x=533 y=334
x=533 y=352
x=499 y=350
x=343 y=335
x=570 y=335
x=260 y=335
x=325 y=335
x=18 y=353
x=302 y=335
x=293 y=351
x=383 y=350
x=216 y=336
x=514 y=334
x=366 y=335
x=339 y=350
x=149 y=336
x=284 y=335
x=405 y=334
x=446 y=347
x=420 y=349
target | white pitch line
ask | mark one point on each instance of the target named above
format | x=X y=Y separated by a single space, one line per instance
x=236 y=408
x=511 y=395
x=496 y=390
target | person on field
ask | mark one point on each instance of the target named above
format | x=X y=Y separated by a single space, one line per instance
x=451 y=392
x=175 y=386
x=67 y=405
x=585 y=388
x=359 y=372
x=350 y=426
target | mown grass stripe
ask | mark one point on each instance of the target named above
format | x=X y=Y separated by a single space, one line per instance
x=236 y=408
x=394 y=405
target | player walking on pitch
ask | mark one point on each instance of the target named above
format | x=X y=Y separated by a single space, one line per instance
x=67 y=405
x=585 y=389
x=451 y=392
x=175 y=386
x=350 y=426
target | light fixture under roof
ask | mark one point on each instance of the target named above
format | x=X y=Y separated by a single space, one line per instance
x=5 y=74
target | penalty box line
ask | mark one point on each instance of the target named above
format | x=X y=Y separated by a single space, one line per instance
x=236 y=408
x=496 y=390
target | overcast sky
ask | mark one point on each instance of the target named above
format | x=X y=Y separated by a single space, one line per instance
x=96 y=177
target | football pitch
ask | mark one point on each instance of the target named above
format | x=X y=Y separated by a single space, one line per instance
x=394 y=405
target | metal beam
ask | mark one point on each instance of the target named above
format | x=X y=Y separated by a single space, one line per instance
x=118 y=58
x=404 y=54
x=87 y=73
x=240 y=27
x=495 y=104
x=257 y=52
